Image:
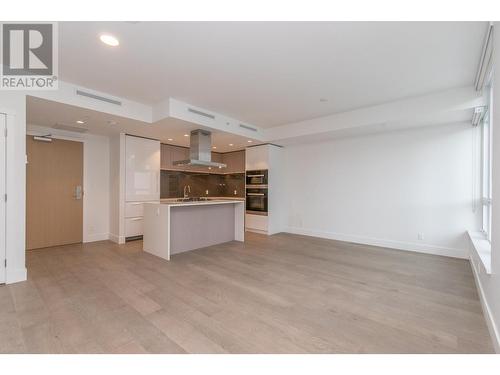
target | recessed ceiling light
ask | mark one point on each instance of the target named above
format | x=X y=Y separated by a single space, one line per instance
x=214 y=147
x=110 y=40
x=230 y=144
x=170 y=139
x=186 y=135
x=249 y=141
x=80 y=122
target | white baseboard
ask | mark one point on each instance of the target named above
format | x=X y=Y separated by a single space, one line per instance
x=399 y=245
x=96 y=237
x=116 y=239
x=15 y=275
x=488 y=316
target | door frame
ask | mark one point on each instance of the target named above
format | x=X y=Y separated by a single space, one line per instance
x=3 y=190
x=83 y=140
x=15 y=185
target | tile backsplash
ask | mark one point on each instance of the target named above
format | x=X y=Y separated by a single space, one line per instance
x=172 y=184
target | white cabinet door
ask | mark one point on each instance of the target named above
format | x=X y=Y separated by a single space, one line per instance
x=134 y=226
x=256 y=222
x=142 y=164
x=134 y=209
x=257 y=158
x=3 y=124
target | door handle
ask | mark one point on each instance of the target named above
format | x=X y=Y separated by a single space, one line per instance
x=78 y=192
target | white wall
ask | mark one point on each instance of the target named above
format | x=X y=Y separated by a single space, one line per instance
x=14 y=103
x=385 y=189
x=117 y=189
x=96 y=189
x=96 y=172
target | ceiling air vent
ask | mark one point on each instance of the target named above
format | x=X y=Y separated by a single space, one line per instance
x=69 y=128
x=204 y=114
x=98 y=97
x=248 y=127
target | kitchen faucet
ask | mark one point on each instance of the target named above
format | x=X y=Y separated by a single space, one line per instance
x=187 y=189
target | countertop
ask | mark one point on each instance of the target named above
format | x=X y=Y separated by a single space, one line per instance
x=212 y=201
x=168 y=200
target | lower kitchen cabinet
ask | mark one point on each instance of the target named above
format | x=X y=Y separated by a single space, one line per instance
x=133 y=226
x=256 y=223
x=134 y=209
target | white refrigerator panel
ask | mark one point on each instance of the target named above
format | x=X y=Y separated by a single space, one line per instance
x=142 y=177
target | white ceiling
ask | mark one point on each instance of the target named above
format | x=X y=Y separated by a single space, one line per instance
x=272 y=73
x=426 y=120
x=48 y=113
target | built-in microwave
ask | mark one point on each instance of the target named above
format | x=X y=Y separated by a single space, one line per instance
x=256 y=201
x=257 y=178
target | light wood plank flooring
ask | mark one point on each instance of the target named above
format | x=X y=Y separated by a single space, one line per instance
x=279 y=294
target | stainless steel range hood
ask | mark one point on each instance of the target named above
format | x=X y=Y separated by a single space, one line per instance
x=200 y=150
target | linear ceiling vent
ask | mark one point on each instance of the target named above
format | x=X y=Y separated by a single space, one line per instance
x=204 y=114
x=248 y=127
x=70 y=128
x=98 y=97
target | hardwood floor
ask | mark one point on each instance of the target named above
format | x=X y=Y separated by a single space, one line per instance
x=279 y=294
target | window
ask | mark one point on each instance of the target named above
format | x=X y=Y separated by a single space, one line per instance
x=486 y=128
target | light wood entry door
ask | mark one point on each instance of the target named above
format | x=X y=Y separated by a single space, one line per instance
x=54 y=195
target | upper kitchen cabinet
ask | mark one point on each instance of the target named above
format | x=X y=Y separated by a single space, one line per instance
x=235 y=162
x=179 y=153
x=170 y=153
x=217 y=157
x=165 y=156
x=257 y=158
x=142 y=169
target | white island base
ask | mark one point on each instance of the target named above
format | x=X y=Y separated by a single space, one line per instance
x=172 y=228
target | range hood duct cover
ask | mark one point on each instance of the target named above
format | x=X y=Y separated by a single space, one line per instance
x=200 y=150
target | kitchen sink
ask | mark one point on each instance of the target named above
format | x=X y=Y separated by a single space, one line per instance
x=192 y=199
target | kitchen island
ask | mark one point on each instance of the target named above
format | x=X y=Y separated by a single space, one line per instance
x=172 y=227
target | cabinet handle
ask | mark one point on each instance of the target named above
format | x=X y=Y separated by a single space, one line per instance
x=136 y=219
x=259 y=194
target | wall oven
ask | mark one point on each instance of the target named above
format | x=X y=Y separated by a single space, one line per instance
x=257 y=178
x=256 y=201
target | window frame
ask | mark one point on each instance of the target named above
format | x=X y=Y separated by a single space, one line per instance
x=486 y=154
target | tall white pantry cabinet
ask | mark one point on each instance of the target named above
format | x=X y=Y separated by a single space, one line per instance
x=135 y=179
